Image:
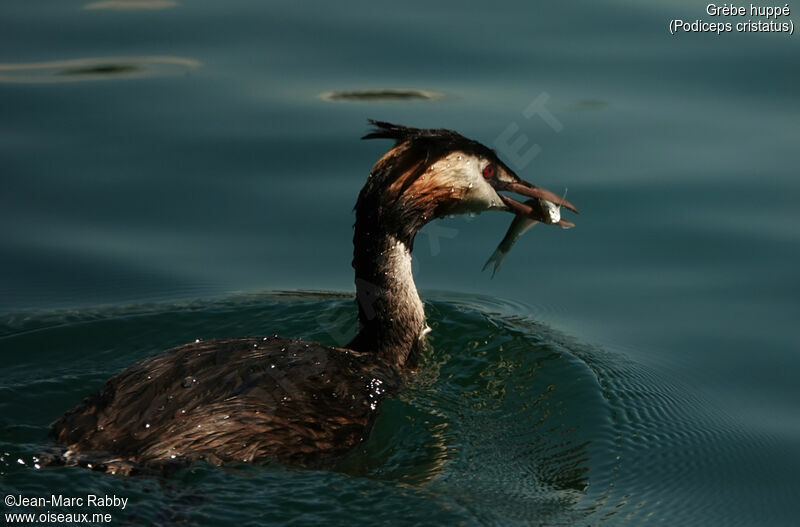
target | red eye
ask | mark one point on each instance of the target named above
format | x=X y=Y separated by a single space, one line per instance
x=488 y=171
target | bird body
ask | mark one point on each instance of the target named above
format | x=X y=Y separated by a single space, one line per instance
x=229 y=401
x=301 y=403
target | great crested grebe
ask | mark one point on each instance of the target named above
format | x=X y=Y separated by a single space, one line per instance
x=303 y=403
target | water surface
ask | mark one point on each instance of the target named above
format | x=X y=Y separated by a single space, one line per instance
x=168 y=166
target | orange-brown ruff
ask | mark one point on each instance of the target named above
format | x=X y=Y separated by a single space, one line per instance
x=300 y=403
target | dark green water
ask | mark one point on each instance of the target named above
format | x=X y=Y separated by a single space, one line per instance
x=510 y=421
x=165 y=170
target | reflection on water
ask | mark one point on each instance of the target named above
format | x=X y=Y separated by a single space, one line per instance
x=131 y=5
x=500 y=420
x=507 y=421
x=380 y=95
x=103 y=69
x=96 y=68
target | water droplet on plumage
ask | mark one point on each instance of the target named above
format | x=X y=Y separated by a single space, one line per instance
x=188 y=382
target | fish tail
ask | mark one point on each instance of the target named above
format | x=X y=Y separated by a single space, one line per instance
x=497 y=258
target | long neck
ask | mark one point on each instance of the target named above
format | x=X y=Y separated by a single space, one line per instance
x=390 y=313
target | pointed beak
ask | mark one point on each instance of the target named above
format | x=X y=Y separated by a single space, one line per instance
x=532 y=191
x=538 y=209
x=534 y=209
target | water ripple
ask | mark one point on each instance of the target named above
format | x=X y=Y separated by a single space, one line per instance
x=380 y=95
x=96 y=68
x=508 y=422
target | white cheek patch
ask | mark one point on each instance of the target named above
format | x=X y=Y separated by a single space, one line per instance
x=462 y=173
x=482 y=196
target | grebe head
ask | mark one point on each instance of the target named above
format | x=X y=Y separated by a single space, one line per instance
x=431 y=173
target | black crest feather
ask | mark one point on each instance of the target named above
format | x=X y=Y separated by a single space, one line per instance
x=384 y=130
x=431 y=144
x=437 y=140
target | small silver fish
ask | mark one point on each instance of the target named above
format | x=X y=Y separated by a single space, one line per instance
x=542 y=211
